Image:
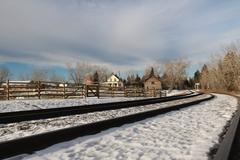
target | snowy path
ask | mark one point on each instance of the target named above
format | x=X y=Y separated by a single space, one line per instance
x=22 y=129
x=184 y=134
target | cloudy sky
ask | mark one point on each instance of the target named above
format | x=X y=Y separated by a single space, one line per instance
x=121 y=34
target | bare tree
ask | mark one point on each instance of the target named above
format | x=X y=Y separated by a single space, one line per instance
x=55 y=77
x=224 y=71
x=157 y=67
x=4 y=74
x=231 y=69
x=131 y=77
x=175 y=72
x=103 y=73
x=74 y=73
x=24 y=77
x=214 y=78
x=39 y=75
x=78 y=72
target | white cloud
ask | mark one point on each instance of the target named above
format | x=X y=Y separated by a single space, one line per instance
x=122 y=34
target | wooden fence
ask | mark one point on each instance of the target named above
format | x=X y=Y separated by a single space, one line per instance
x=43 y=89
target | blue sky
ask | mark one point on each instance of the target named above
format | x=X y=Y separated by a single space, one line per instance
x=122 y=35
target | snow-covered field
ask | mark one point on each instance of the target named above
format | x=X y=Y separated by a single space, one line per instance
x=22 y=129
x=18 y=105
x=185 y=134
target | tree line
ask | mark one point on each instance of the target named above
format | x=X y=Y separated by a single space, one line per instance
x=171 y=73
x=222 y=72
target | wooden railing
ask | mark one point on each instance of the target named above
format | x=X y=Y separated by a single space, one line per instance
x=45 y=89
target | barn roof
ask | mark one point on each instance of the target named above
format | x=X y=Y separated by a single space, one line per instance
x=150 y=76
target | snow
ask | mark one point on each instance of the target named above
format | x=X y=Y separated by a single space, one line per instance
x=26 y=128
x=185 y=134
x=18 y=105
x=176 y=92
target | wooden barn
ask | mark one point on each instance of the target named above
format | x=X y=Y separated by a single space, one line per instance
x=152 y=82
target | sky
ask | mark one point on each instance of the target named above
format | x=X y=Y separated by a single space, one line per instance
x=122 y=35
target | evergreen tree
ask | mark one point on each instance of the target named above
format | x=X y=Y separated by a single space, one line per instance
x=95 y=77
x=186 y=84
x=138 y=80
x=128 y=80
x=191 y=82
x=204 y=81
x=197 y=76
x=152 y=72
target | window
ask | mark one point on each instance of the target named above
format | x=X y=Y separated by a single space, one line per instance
x=152 y=83
x=115 y=79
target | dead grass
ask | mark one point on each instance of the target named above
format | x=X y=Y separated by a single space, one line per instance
x=231 y=93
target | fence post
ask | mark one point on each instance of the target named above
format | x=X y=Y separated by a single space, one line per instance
x=8 y=89
x=98 y=86
x=86 y=90
x=135 y=91
x=111 y=91
x=39 y=89
x=83 y=91
x=64 y=90
x=145 y=92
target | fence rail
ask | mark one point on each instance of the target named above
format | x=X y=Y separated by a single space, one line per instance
x=43 y=89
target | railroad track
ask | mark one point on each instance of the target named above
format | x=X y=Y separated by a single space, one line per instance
x=40 y=141
x=229 y=148
x=12 y=117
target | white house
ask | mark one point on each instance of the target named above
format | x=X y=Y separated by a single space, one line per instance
x=114 y=81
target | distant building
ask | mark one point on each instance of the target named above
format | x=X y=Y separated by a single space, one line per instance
x=197 y=86
x=88 y=79
x=114 y=81
x=63 y=85
x=152 y=82
x=17 y=83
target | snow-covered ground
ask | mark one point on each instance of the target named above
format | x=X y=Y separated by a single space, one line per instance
x=185 y=134
x=22 y=129
x=177 y=92
x=18 y=105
